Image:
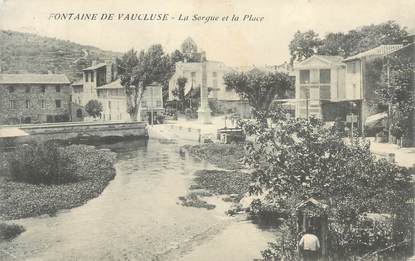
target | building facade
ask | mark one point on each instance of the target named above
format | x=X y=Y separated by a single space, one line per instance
x=114 y=101
x=362 y=78
x=319 y=84
x=34 y=98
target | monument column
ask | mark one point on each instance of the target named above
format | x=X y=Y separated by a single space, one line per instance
x=203 y=113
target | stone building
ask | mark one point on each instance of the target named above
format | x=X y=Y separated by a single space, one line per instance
x=34 y=98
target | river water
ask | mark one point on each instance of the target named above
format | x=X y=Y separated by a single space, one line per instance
x=138 y=217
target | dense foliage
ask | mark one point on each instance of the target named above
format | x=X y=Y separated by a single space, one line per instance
x=259 y=88
x=94 y=108
x=138 y=70
x=296 y=159
x=396 y=88
x=46 y=55
x=40 y=163
x=180 y=93
x=306 y=44
x=91 y=170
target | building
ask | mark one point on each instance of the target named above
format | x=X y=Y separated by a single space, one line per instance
x=96 y=75
x=114 y=101
x=362 y=78
x=192 y=68
x=34 y=98
x=319 y=86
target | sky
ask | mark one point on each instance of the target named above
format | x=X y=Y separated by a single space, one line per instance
x=235 y=43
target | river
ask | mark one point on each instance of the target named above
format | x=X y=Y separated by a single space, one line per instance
x=138 y=217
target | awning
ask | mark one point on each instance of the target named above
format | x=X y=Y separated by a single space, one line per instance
x=376 y=118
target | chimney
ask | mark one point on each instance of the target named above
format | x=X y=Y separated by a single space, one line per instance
x=109 y=71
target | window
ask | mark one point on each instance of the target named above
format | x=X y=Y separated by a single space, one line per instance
x=92 y=76
x=325 y=76
x=43 y=104
x=12 y=104
x=42 y=89
x=27 y=90
x=193 y=74
x=11 y=89
x=58 y=89
x=58 y=103
x=109 y=105
x=304 y=76
x=86 y=76
x=214 y=74
x=27 y=104
x=158 y=104
x=143 y=104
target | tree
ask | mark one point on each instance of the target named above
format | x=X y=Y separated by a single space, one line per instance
x=304 y=45
x=299 y=158
x=94 y=108
x=259 y=88
x=137 y=71
x=179 y=91
x=396 y=90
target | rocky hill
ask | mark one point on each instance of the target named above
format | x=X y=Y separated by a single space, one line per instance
x=31 y=53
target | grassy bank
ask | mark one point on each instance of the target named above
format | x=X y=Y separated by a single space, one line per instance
x=224 y=156
x=231 y=180
x=92 y=170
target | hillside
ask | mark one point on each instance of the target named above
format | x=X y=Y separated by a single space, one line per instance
x=31 y=53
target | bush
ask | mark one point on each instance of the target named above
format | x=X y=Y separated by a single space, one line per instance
x=10 y=231
x=91 y=168
x=40 y=163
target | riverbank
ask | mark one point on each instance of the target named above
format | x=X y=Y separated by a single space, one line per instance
x=94 y=169
x=224 y=156
x=229 y=181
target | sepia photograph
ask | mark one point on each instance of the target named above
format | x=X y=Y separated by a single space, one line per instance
x=194 y=130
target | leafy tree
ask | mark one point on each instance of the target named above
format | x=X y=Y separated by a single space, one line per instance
x=179 y=91
x=94 y=108
x=259 y=88
x=304 y=45
x=396 y=89
x=176 y=56
x=137 y=71
x=299 y=158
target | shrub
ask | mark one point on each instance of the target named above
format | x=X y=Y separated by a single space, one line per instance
x=40 y=163
x=10 y=231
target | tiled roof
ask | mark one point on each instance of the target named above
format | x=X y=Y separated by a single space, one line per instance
x=378 y=51
x=78 y=83
x=94 y=67
x=33 y=79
